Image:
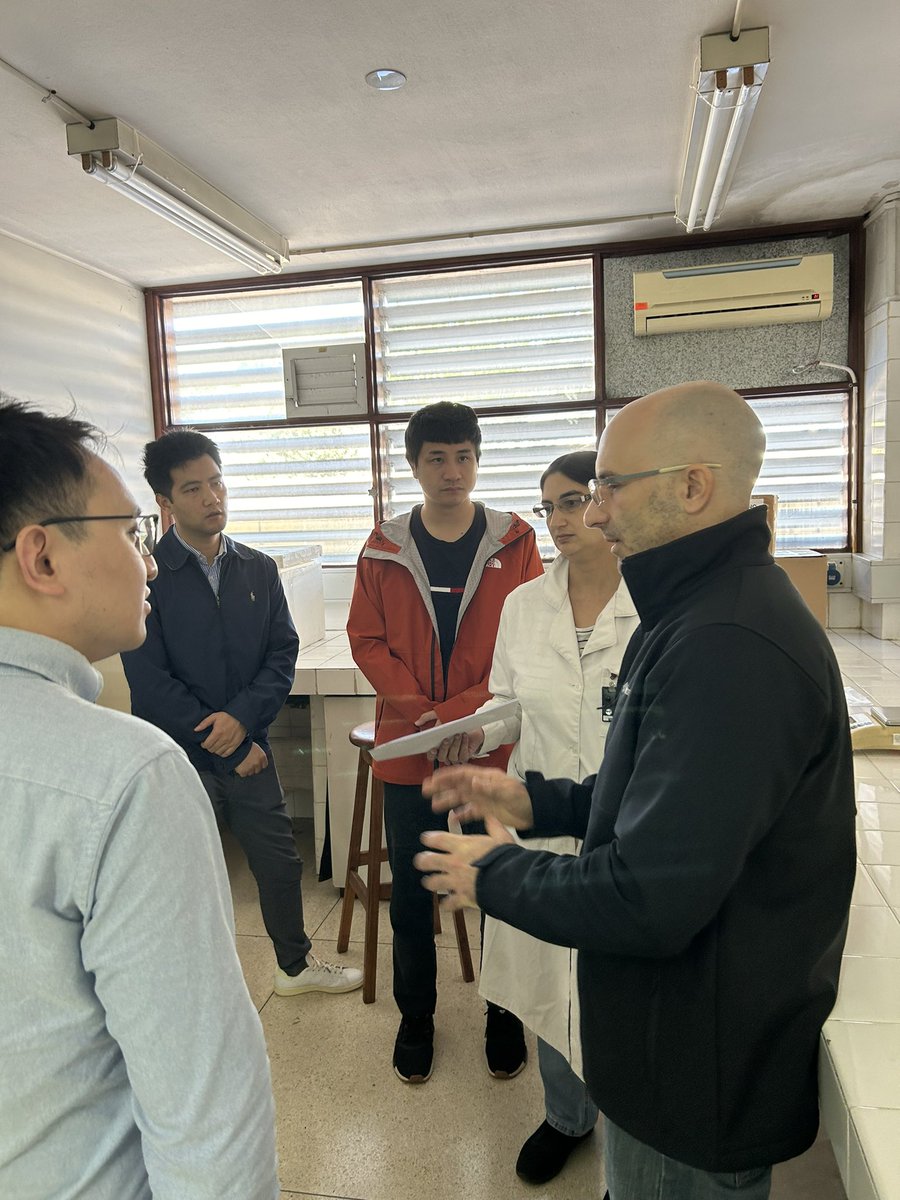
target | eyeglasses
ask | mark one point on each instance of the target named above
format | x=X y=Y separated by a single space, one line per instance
x=602 y=489
x=565 y=504
x=145 y=533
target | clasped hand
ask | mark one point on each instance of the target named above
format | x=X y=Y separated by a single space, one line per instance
x=225 y=735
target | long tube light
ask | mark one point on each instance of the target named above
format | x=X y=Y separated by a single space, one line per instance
x=130 y=163
x=726 y=94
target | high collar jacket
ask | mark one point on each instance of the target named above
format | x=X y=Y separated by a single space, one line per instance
x=393 y=630
x=234 y=653
x=710 y=901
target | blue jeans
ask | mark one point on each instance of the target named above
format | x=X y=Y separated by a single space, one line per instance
x=253 y=809
x=570 y=1109
x=634 y=1171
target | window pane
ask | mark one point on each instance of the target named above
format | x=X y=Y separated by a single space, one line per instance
x=500 y=336
x=515 y=452
x=295 y=486
x=224 y=352
x=807 y=467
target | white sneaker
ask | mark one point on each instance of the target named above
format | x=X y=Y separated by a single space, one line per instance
x=319 y=976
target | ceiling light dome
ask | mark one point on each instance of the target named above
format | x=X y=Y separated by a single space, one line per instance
x=386 y=79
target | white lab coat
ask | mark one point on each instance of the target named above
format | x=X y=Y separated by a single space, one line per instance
x=560 y=733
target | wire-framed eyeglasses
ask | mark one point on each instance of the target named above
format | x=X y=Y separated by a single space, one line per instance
x=565 y=504
x=145 y=532
x=602 y=489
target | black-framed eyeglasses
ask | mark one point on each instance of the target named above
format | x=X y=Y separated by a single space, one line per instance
x=602 y=489
x=566 y=504
x=145 y=532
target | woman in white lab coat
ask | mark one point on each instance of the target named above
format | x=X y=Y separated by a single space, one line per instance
x=560 y=642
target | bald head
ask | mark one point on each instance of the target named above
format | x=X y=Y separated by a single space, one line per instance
x=693 y=423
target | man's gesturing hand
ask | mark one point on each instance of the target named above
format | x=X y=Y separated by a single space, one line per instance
x=448 y=862
x=474 y=793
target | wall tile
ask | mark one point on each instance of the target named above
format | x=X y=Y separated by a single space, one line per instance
x=876 y=343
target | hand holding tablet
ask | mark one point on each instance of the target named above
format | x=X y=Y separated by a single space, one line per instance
x=429 y=739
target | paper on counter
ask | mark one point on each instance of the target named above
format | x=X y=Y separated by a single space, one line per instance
x=428 y=739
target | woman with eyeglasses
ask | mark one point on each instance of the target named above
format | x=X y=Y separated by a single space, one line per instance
x=559 y=646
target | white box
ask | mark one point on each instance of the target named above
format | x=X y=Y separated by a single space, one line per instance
x=301 y=576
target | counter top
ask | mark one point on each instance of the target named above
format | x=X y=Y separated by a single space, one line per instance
x=326 y=668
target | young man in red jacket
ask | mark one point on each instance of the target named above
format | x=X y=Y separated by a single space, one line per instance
x=423 y=620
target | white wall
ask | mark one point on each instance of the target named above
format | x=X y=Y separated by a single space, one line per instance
x=71 y=335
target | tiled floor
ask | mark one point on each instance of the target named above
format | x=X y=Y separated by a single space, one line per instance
x=349 y=1130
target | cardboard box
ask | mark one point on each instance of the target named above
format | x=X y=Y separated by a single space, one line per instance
x=771 y=503
x=808 y=572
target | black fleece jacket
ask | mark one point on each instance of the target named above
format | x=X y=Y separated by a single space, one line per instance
x=710 y=901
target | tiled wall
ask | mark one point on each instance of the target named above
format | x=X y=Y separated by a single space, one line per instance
x=876 y=569
x=290 y=739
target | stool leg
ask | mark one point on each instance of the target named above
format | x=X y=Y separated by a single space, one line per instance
x=373 y=891
x=462 y=943
x=356 y=825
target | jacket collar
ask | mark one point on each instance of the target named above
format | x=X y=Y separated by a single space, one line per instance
x=394 y=536
x=172 y=554
x=660 y=578
x=556 y=589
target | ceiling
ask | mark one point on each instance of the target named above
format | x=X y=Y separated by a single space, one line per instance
x=516 y=116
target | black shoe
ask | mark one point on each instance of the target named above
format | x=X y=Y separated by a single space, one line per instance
x=414 y=1049
x=546 y=1153
x=504 y=1043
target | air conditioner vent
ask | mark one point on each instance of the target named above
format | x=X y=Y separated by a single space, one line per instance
x=324 y=381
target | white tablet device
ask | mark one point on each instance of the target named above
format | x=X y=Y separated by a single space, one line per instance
x=428 y=739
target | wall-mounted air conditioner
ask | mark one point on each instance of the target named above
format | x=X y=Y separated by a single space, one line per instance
x=772 y=291
x=324 y=381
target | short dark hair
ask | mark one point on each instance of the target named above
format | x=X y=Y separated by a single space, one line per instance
x=579 y=466
x=44 y=465
x=445 y=422
x=172 y=450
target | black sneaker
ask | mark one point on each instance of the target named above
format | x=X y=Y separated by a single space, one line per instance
x=414 y=1049
x=504 y=1043
x=546 y=1153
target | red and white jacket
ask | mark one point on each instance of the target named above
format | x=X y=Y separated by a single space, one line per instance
x=394 y=636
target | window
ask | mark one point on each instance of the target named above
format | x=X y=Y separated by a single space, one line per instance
x=807 y=467
x=498 y=338
x=515 y=340
x=511 y=339
x=224 y=352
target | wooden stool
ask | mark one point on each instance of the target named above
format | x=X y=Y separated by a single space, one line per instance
x=371 y=890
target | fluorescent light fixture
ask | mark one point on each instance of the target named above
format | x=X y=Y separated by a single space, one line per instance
x=130 y=163
x=730 y=79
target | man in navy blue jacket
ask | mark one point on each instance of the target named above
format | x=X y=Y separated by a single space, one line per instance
x=213 y=673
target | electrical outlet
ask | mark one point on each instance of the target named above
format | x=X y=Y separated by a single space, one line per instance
x=839 y=572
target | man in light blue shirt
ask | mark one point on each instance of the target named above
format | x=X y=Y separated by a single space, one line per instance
x=133 y=1060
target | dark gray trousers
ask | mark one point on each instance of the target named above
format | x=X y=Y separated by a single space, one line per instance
x=253 y=809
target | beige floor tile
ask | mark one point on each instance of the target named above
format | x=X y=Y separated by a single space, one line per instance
x=349 y=1127
x=258 y=963
x=318 y=898
x=812 y=1176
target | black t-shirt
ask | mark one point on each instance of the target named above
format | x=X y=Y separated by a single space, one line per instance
x=447 y=565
